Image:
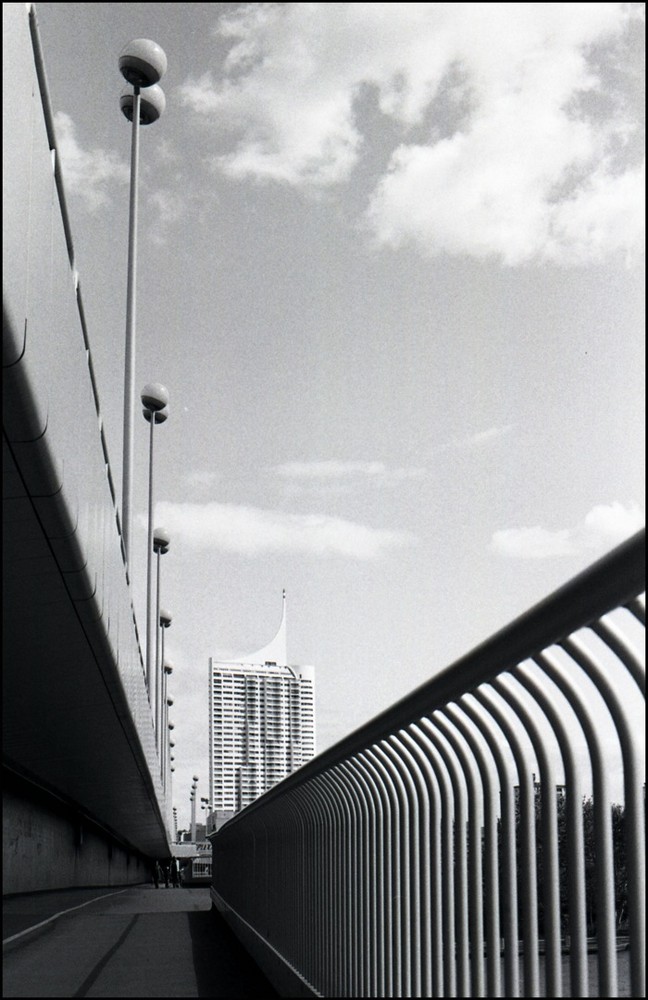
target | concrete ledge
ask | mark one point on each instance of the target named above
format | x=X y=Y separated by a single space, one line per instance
x=284 y=977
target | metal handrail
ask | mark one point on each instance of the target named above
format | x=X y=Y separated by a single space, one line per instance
x=613 y=581
x=423 y=855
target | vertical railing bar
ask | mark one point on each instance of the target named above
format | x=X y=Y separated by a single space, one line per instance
x=432 y=873
x=495 y=743
x=460 y=916
x=351 y=845
x=389 y=828
x=447 y=867
x=400 y=862
x=332 y=924
x=491 y=873
x=341 y=889
x=411 y=896
x=608 y=632
x=305 y=887
x=355 y=881
x=422 y=894
x=310 y=887
x=527 y=844
x=367 y=879
x=323 y=859
x=549 y=836
x=475 y=887
x=387 y=888
x=605 y=929
x=634 y=811
x=377 y=879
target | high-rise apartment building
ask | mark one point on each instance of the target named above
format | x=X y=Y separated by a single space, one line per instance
x=261 y=723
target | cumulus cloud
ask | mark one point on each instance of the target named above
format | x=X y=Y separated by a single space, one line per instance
x=508 y=161
x=253 y=531
x=602 y=528
x=87 y=173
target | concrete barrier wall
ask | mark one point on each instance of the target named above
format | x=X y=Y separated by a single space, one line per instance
x=48 y=845
x=77 y=714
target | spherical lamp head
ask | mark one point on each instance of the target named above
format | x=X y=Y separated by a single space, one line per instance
x=155 y=396
x=142 y=62
x=165 y=618
x=152 y=103
x=161 y=540
x=159 y=415
x=195 y=777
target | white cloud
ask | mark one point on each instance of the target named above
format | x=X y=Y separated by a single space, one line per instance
x=253 y=531
x=602 y=528
x=509 y=161
x=338 y=469
x=477 y=439
x=89 y=173
x=202 y=477
x=169 y=207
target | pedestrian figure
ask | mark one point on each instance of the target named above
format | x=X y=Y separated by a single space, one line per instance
x=156 y=875
x=175 y=873
x=166 y=876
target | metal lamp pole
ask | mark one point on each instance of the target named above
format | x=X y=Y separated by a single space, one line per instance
x=161 y=542
x=166 y=702
x=193 y=809
x=155 y=400
x=164 y=621
x=142 y=63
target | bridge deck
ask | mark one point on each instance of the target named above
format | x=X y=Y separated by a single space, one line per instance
x=134 y=942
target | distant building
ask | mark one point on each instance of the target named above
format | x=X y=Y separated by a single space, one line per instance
x=261 y=724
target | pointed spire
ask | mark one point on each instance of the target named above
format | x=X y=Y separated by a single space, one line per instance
x=276 y=650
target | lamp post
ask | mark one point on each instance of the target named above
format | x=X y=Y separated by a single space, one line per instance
x=161 y=542
x=206 y=807
x=155 y=400
x=167 y=749
x=170 y=727
x=193 y=808
x=142 y=63
x=164 y=621
x=164 y=709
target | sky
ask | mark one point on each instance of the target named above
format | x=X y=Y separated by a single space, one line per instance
x=390 y=270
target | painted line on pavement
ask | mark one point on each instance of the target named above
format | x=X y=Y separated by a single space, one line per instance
x=61 y=913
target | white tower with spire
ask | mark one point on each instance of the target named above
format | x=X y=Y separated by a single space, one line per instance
x=261 y=723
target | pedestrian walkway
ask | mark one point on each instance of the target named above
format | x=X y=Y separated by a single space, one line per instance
x=133 y=942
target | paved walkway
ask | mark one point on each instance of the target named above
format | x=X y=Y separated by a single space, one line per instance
x=134 y=942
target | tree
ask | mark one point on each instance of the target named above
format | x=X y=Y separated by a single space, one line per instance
x=617 y=819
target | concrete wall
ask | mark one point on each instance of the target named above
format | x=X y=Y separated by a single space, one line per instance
x=77 y=716
x=48 y=844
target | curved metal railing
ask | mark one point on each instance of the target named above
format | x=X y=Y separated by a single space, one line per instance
x=465 y=843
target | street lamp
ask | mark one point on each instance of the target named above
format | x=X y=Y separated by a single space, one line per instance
x=193 y=808
x=161 y=542
x=167 y=749
x=170 y=726
x=142 y=63
x=164 y=746
x=155 y=400
x=164 y=621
